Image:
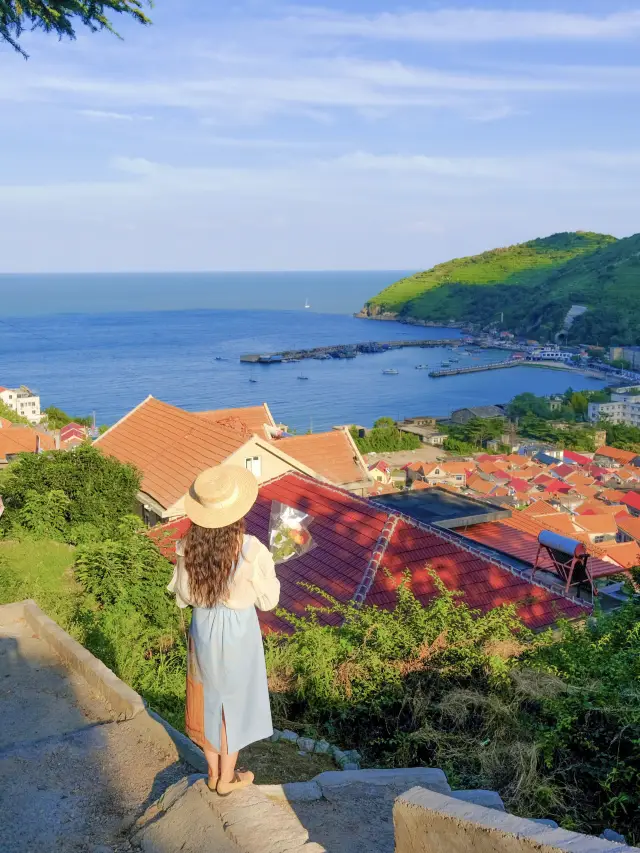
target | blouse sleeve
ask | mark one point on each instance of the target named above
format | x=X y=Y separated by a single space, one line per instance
x=178 y=585
x=264 y=580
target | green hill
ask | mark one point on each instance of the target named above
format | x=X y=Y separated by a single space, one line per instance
x=534 y=284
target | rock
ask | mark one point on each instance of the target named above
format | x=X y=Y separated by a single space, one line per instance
x=127 y=822
x=612 y=835
x=480 y=797
x=306 y=744
x=350 y=765
x=102 y=848
x=276 y=736
x=545 y=821
x=289 y=736
x=322 y=746
x=353 y=755
x=293 y=792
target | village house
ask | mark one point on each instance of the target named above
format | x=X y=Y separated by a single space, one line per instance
x=610 y=457
x=427 y=434
x=463 y=416
x=23 y=402
x=436 y=473
x=380 y=471
x=170 y=447
x=20 y=438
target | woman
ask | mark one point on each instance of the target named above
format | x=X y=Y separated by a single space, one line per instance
x=224 y=574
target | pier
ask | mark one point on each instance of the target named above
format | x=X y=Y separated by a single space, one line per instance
x=501 y=365
x=343 y=350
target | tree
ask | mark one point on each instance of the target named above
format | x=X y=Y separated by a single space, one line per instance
x=381 y=423
x=579 y=403
x=9 y=415
x=56 y=418
x=61 y=17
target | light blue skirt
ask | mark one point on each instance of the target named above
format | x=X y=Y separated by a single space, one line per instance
x=227 y=673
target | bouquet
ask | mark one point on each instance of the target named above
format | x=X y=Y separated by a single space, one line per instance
x=288 y=532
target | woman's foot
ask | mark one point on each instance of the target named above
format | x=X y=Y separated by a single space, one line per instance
x=212 y=782
x=242 y=779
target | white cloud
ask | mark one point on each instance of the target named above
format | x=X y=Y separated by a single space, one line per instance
x=105 y=115
x=467 y=25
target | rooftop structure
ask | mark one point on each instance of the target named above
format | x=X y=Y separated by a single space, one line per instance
x=23 y=401
x=357 y=542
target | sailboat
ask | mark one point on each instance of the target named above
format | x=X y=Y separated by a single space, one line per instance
x=306 y=303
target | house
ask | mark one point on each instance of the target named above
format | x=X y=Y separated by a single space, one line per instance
x=426 y=434
x=71 y=435
x=463 y=416
x=23 y=401
x=170 y=447
x=362 y=551
x=573 y=458
x=611 y=456
x=599 y=528
x=629 y=527
x=435 y=473
x=20 y=438
x=632 y=502
x=380 y=471
x=333 y=456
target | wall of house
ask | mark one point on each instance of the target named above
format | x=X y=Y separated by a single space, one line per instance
x=269 y=464
x=25 y=404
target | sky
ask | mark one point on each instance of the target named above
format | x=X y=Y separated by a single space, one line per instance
x=352 y=135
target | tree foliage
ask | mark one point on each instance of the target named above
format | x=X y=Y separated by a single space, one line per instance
x=385 y=437
x=56 y=418
x=474 y=433
x=61 y=17
x=9 y=415
x=68 y=490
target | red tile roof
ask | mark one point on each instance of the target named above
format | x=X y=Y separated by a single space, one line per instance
x=20 y=438
x=169 y=446
x=630 y=524
x=631 y=499
x=332 y=455
x=622 y=456
x=351 y=557
x=255 y=417
x=572 y=456
x=519 y=486
x=562 y=470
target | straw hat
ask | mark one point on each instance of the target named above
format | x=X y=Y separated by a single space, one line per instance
x=221 y=495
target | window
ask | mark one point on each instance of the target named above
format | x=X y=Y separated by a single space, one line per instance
x=254 y=464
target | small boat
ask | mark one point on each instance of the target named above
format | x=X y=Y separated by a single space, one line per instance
x=445 y=364
x=251 y=379
x=221 y=358
x=302 y=377
x=390 y=371
x=422 y=367
x=306 y=303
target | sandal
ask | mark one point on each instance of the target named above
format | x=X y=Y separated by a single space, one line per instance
x=212 y=783
x=241 y=779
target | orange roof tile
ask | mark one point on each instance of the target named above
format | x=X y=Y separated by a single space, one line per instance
x=630 y=524
x=332 y=455
x=622 y=456
x=625 y=554
x=22 y=439
x=600 y=524
x=612 y=495
x=4 y=423
x=599 y=508
x=540 y=508
x=255 y=417
x=457 y=467
x=169 y=446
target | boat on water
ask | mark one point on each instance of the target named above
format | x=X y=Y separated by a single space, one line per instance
x=251 y=379
x=422 y=367
x=221 y=358
x=302 y=377
x=306 y=303
x=390 y=371
x=445 y=364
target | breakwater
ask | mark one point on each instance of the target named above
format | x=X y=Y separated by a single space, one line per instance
x=501 y=365
x=343 y=350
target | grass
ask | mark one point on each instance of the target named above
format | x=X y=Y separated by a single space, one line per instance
x=275 y=763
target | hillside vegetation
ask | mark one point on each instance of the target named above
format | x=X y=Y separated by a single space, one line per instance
x=534 y=284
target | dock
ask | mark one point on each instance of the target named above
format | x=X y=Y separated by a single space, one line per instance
x=501 y=365
x=343 y=350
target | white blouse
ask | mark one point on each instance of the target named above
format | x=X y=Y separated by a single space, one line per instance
x=254 y=580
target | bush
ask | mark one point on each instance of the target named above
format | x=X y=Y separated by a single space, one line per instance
x=67 y=490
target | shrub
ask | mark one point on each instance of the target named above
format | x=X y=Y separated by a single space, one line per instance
x=90 y=488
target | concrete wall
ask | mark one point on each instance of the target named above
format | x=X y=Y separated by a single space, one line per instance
x=428 y=822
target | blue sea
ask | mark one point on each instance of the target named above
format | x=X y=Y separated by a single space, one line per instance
x=106 y=359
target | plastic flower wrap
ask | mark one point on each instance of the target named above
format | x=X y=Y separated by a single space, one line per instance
x=288 y=532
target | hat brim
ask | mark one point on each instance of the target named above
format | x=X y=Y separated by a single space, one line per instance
x=214 y=517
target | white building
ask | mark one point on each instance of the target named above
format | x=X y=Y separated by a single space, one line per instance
x=23 y=401
x=624 y=408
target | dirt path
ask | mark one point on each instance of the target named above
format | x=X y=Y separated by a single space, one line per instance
x=70 y=777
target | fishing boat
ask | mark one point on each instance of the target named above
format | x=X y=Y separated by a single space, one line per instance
x=306 y=303
x=445 y=364
x=390 y=371
x=251 y=379
x=422 y=367
x=302 y=377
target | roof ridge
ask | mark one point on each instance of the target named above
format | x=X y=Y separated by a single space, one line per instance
x=377 y=555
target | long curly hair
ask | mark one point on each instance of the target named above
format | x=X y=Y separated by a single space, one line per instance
x=209 y=557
